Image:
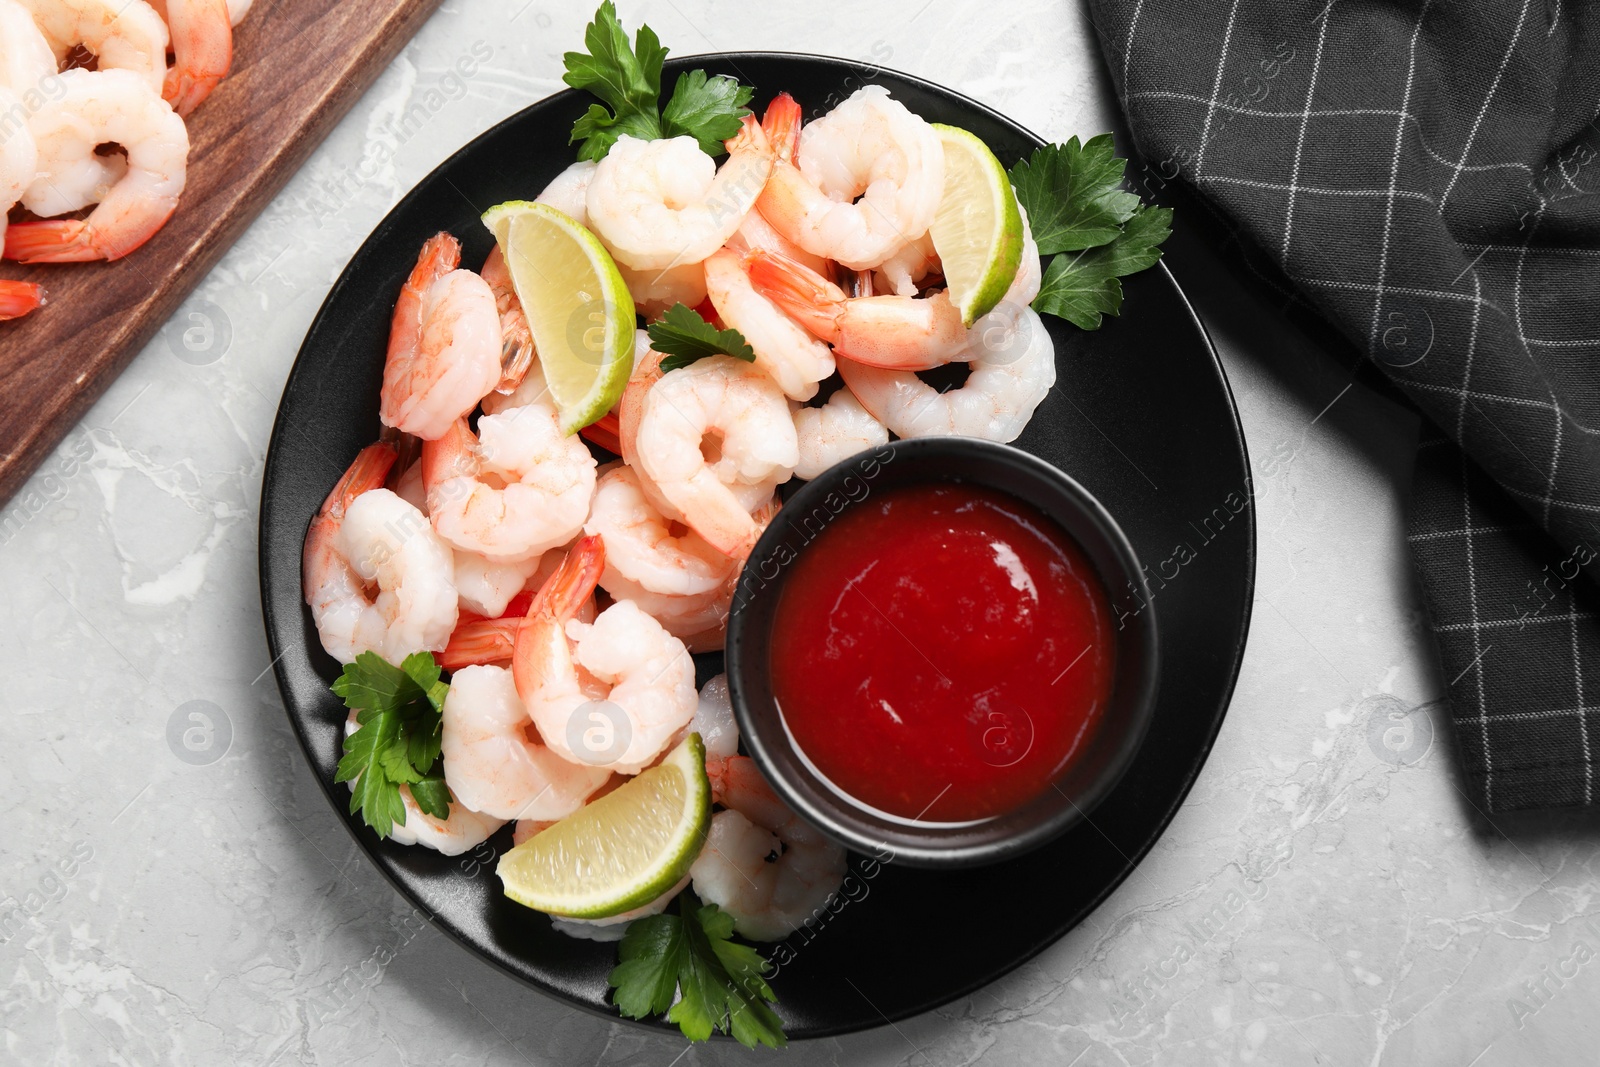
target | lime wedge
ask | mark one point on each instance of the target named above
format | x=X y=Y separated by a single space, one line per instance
x=977 y=230
x=623 y=850
x=577 y=305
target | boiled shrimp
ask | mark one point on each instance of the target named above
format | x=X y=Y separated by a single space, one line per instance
x=568 y=192
x=900 y=332
x=99 y=107
x=516 y=336
x=444 y=344
x=202 y=49
x=26 y=58
x=485 y=586
x=746 y=418
x=452 y=836
x=514 y=490
x=786 y=352
x=762 y=863
x=366 y=534
x=624 y=658
x=123 y=35
x=1012 y=370
x=868 y=178
x=491 y=763
x=18 y=164
x=834 y=432
x=663 y=203
x=642 y=546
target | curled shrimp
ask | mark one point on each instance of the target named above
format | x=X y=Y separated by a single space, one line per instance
x=444 y=344
x=26 y=58
x=99 y=107
x=763 y=864
x=123 y=34
x=366 y=534
x=512 y=491
x=900 y=332
x=564 y=668
x=463 y=830
x=642 y=546
x=663 y=203
x=492 y=764
x=868 y=177
x=516 y=336
x=786 y=352
x=568 y=192
x=202 y=49
x=834 y=432
x=738 y=414
x=1013 y=368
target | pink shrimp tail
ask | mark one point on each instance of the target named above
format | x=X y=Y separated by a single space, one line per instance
x=559 y=599
x=808 y=297
x=19 y=298
x=453 y=454
x=440 y=255
x=782 y=126
x=480 y=641
x=366 y=472
x=202 y=50
x=78 y=241
x=606 y=431
x=750 y=135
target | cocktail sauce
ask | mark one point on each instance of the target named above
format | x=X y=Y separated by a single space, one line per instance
x=942 y=651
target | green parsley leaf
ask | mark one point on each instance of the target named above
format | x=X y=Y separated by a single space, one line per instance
x=628 y=79
x=1080 y=287
x=705 y=107
x=718 y=984
x=1073 y=194
x=683 y=337
x=709 y=109
x=397 y=739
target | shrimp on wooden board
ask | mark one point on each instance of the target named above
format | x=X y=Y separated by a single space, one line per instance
x=202 y=49
x=868 y=178
x=664 y=203
x=622 y=672
x=762 y=863
x=493 y=761
x=366 y=535
x=444 y=344
x=514 y=490
x=123 y=34
x=18 y=165
x=731 y=410
x=1012 y=370
x=833 y=432
x=95 y=108
x=900 y=332
x=26 y=59
x=463 y=830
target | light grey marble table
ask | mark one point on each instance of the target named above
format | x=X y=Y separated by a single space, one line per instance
x=1326 y=895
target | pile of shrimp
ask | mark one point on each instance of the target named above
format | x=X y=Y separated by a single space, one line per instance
x=77 y=76
x=566 y=581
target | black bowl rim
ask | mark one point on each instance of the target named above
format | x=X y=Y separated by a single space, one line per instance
x=338 y=803
x=837 y=819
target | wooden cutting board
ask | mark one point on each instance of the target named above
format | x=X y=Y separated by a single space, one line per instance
x=298 y=66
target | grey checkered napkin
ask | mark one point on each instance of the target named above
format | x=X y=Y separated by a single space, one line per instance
x=1426 y=176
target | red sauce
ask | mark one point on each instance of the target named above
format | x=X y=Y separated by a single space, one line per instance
x=943 y=652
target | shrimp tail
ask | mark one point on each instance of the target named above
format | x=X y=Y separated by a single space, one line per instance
x=559 y=599
x=19 y=298
x=782 y=126
x=480 y=641
x=808 y=297
x=451 y=455
x=77 y=241
x=516 y=346
x=751 y=137
x=202 y=48
x=367 y=471
x=606 y=431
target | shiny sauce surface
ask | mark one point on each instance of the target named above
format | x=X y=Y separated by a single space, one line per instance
x=942 y=652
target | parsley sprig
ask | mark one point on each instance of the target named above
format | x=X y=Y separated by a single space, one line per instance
x=683 y=337
x=717 y=982
x=708 y=108
x=398 y=716
x=1076 y=204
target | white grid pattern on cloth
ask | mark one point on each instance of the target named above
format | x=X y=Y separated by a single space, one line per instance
x=1494 y=624
x=1477 y=123
x=1127 y=48
x=1300 y=142
x=1216 y=90
x=1577 y=681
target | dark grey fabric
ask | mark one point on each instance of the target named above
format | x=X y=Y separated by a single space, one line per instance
x=1427 y=177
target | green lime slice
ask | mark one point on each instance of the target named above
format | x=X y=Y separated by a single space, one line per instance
x=977 y=230
x=577 y=305
x=623 y=850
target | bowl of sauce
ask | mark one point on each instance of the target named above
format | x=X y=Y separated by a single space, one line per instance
x=927 y=658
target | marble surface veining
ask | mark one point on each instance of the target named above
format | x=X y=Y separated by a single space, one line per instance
x=177 y=893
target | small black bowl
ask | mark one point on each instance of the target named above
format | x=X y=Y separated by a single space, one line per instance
x=1086 y=779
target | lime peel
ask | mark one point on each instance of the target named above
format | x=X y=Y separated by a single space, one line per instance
x=977 y=230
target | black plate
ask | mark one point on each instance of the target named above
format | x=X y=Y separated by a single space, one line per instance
x=1142 y=416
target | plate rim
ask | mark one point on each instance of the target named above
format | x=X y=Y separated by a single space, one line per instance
x=1055 y=932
